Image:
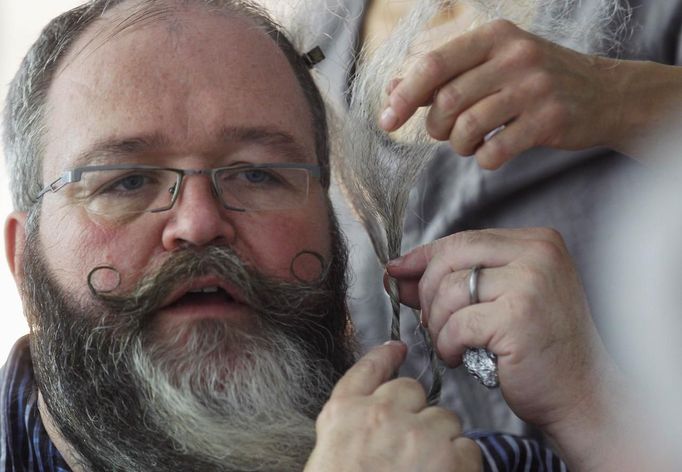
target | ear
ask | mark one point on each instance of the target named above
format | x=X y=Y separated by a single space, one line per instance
x=15 y=240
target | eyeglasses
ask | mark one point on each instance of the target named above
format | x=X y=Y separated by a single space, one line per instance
x=120 y=190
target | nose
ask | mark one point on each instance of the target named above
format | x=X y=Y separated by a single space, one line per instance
x=197 y=218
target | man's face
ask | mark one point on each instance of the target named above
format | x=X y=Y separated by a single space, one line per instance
x=192 y=91
x=200 y=91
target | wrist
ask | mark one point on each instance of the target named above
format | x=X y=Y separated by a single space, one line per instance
x=644 y=96
x=597 y=433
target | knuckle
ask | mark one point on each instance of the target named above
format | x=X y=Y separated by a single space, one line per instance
x=402 y=387
x=524 y=52
x=367 y=367
x=501 y=29
x=473 y=325
x=437 y=129
x=493 y=154
x=553 y=116
x=448 y=98
x=458 y=145
x=412 y=385
x=532 y=274
x=451 y=282
x=452 y=418
x=380 y=414
x=549 y=234
x=431 y=65
x=508 y=99
x=462 y=239
x=455 y=333
x=541 y=83
x=548 y=250
x=444 y=287
x=468 y=124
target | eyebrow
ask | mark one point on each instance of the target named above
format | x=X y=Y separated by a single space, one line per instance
x=104 y=150
x=115 y=147
x=283 y=142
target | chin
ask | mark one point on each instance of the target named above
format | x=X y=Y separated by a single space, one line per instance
x=203 y=348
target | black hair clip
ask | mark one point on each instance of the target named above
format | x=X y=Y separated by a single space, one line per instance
x=313 y=57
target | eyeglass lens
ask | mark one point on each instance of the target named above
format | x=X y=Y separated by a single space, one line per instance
x=120 y=192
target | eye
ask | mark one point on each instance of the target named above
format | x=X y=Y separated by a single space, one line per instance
x=127 y=185
x=131 y=182
x=256 y=176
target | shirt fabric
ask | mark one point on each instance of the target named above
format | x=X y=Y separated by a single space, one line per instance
x=573 y=192
x=26 y=446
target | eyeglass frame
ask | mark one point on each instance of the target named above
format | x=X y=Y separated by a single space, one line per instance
x=71 y=176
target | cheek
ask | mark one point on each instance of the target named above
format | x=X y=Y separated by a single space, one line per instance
x=75 y=245
x=287 y=242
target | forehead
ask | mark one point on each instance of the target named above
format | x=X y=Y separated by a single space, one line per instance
x=184 y=78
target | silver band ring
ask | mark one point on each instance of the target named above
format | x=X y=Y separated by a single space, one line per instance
x=493 y=133
x=473 y=284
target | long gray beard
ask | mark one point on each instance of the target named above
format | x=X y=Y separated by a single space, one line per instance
x=208 y=397
x=253 y=411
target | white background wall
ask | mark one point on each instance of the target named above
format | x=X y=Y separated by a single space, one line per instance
x=20 y=24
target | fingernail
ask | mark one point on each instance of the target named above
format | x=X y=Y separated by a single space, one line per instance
x=393 y=342
x=388 y=119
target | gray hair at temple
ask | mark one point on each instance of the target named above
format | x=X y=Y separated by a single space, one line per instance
x=24 y=125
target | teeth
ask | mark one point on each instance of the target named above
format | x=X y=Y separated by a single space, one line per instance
x=205 y=290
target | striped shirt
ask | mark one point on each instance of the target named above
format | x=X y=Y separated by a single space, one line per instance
x=26 y=447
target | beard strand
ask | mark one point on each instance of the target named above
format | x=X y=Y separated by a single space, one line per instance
x=206 y=397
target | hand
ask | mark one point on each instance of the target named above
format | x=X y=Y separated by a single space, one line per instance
x=499 y=75
x=371 y=423
x=532 y=314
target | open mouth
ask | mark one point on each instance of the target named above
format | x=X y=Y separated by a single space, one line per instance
x=202 y=296
x=204 y=299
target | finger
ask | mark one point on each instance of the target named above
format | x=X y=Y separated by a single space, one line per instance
x=461 y=251
x=408 y=290
x=432 y=71
x=472 y=126
x=518 y=136
x=405 y=393
x=460 y=94
x=442 y=423
x=472 y=326
x=482 y=248
x=413 y=264
x=471 y=248
x=372 y=370
x=468 y=453
x=392 y=84
x=453 y=293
